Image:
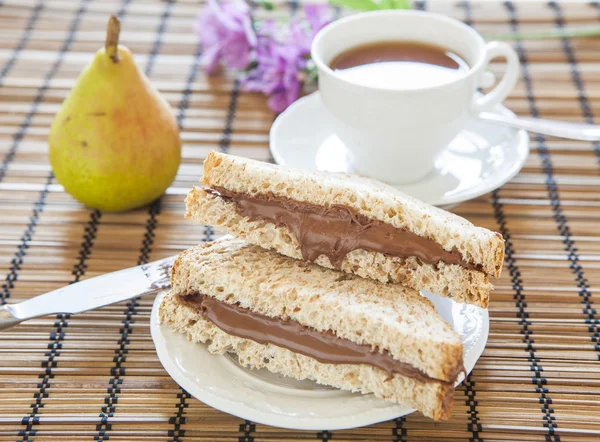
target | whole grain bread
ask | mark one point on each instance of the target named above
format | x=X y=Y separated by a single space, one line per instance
x=368 y=197
x=450 y=280
x=433 y=398
x=387 y=316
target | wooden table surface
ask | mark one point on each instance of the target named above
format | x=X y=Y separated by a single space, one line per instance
x=95 y=376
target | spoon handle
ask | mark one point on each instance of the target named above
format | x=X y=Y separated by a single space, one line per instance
x=7 y=319
x=561 y=129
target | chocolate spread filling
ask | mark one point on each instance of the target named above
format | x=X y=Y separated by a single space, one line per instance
x=325 y=347
x=337 y=230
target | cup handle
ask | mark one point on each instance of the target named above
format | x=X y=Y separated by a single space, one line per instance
x=500 y=92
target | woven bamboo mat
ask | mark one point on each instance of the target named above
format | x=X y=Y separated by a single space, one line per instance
x=95 y=376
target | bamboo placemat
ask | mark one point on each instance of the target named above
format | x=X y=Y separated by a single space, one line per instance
x=95 y=376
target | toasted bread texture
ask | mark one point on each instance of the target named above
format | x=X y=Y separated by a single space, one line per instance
x=368 y=197
x=433 y=398
x=387 y=316
x=450 y=280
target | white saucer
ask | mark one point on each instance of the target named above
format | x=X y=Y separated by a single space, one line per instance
x=480 y=159
x=262 y=397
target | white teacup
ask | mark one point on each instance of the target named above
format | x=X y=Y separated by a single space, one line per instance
x=395 y=134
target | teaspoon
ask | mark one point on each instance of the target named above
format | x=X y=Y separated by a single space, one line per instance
x=561 y=129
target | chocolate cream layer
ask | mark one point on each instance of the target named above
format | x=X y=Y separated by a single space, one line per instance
x=325 y=347
x=337 y=230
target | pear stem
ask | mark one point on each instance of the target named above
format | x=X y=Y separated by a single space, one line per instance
x=112 y=38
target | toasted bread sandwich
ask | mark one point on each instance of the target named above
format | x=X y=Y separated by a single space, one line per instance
x=308 y=322
x=349 y=223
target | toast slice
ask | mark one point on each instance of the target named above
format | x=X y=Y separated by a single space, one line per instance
x=308 y=322
x=350 y=223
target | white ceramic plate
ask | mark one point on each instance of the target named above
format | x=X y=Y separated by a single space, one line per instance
x=270 y=399
x=480 y=159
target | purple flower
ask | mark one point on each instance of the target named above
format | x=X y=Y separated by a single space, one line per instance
x=277 y=73
x=281 y=66
x=302 y=32
x=226 y=33
x=318 y=16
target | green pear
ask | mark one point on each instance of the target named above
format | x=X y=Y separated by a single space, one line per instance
x=114 y=144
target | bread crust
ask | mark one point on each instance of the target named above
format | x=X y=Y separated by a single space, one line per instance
x=434 y=399
x=368 y=197
x=388 y=316
x=452 y=281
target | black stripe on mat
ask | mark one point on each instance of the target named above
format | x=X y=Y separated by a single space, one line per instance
x=420 y=5
x=538 y=379
x=209 y=233
x=535 y=366
x=466 y=5
x=325 y=435
x=573 y=65
x=230 y=117
x=40 y=203
x=31 y=22
x=178 y=420
x=473 y=425
x=176 y=434
x=399 y=432
x=17 y=261
x=159 y=36
x=570 y=246
x=42 y=90
x=247 y=428
x=577 y=80
x=58 y=335
x=118 y=371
